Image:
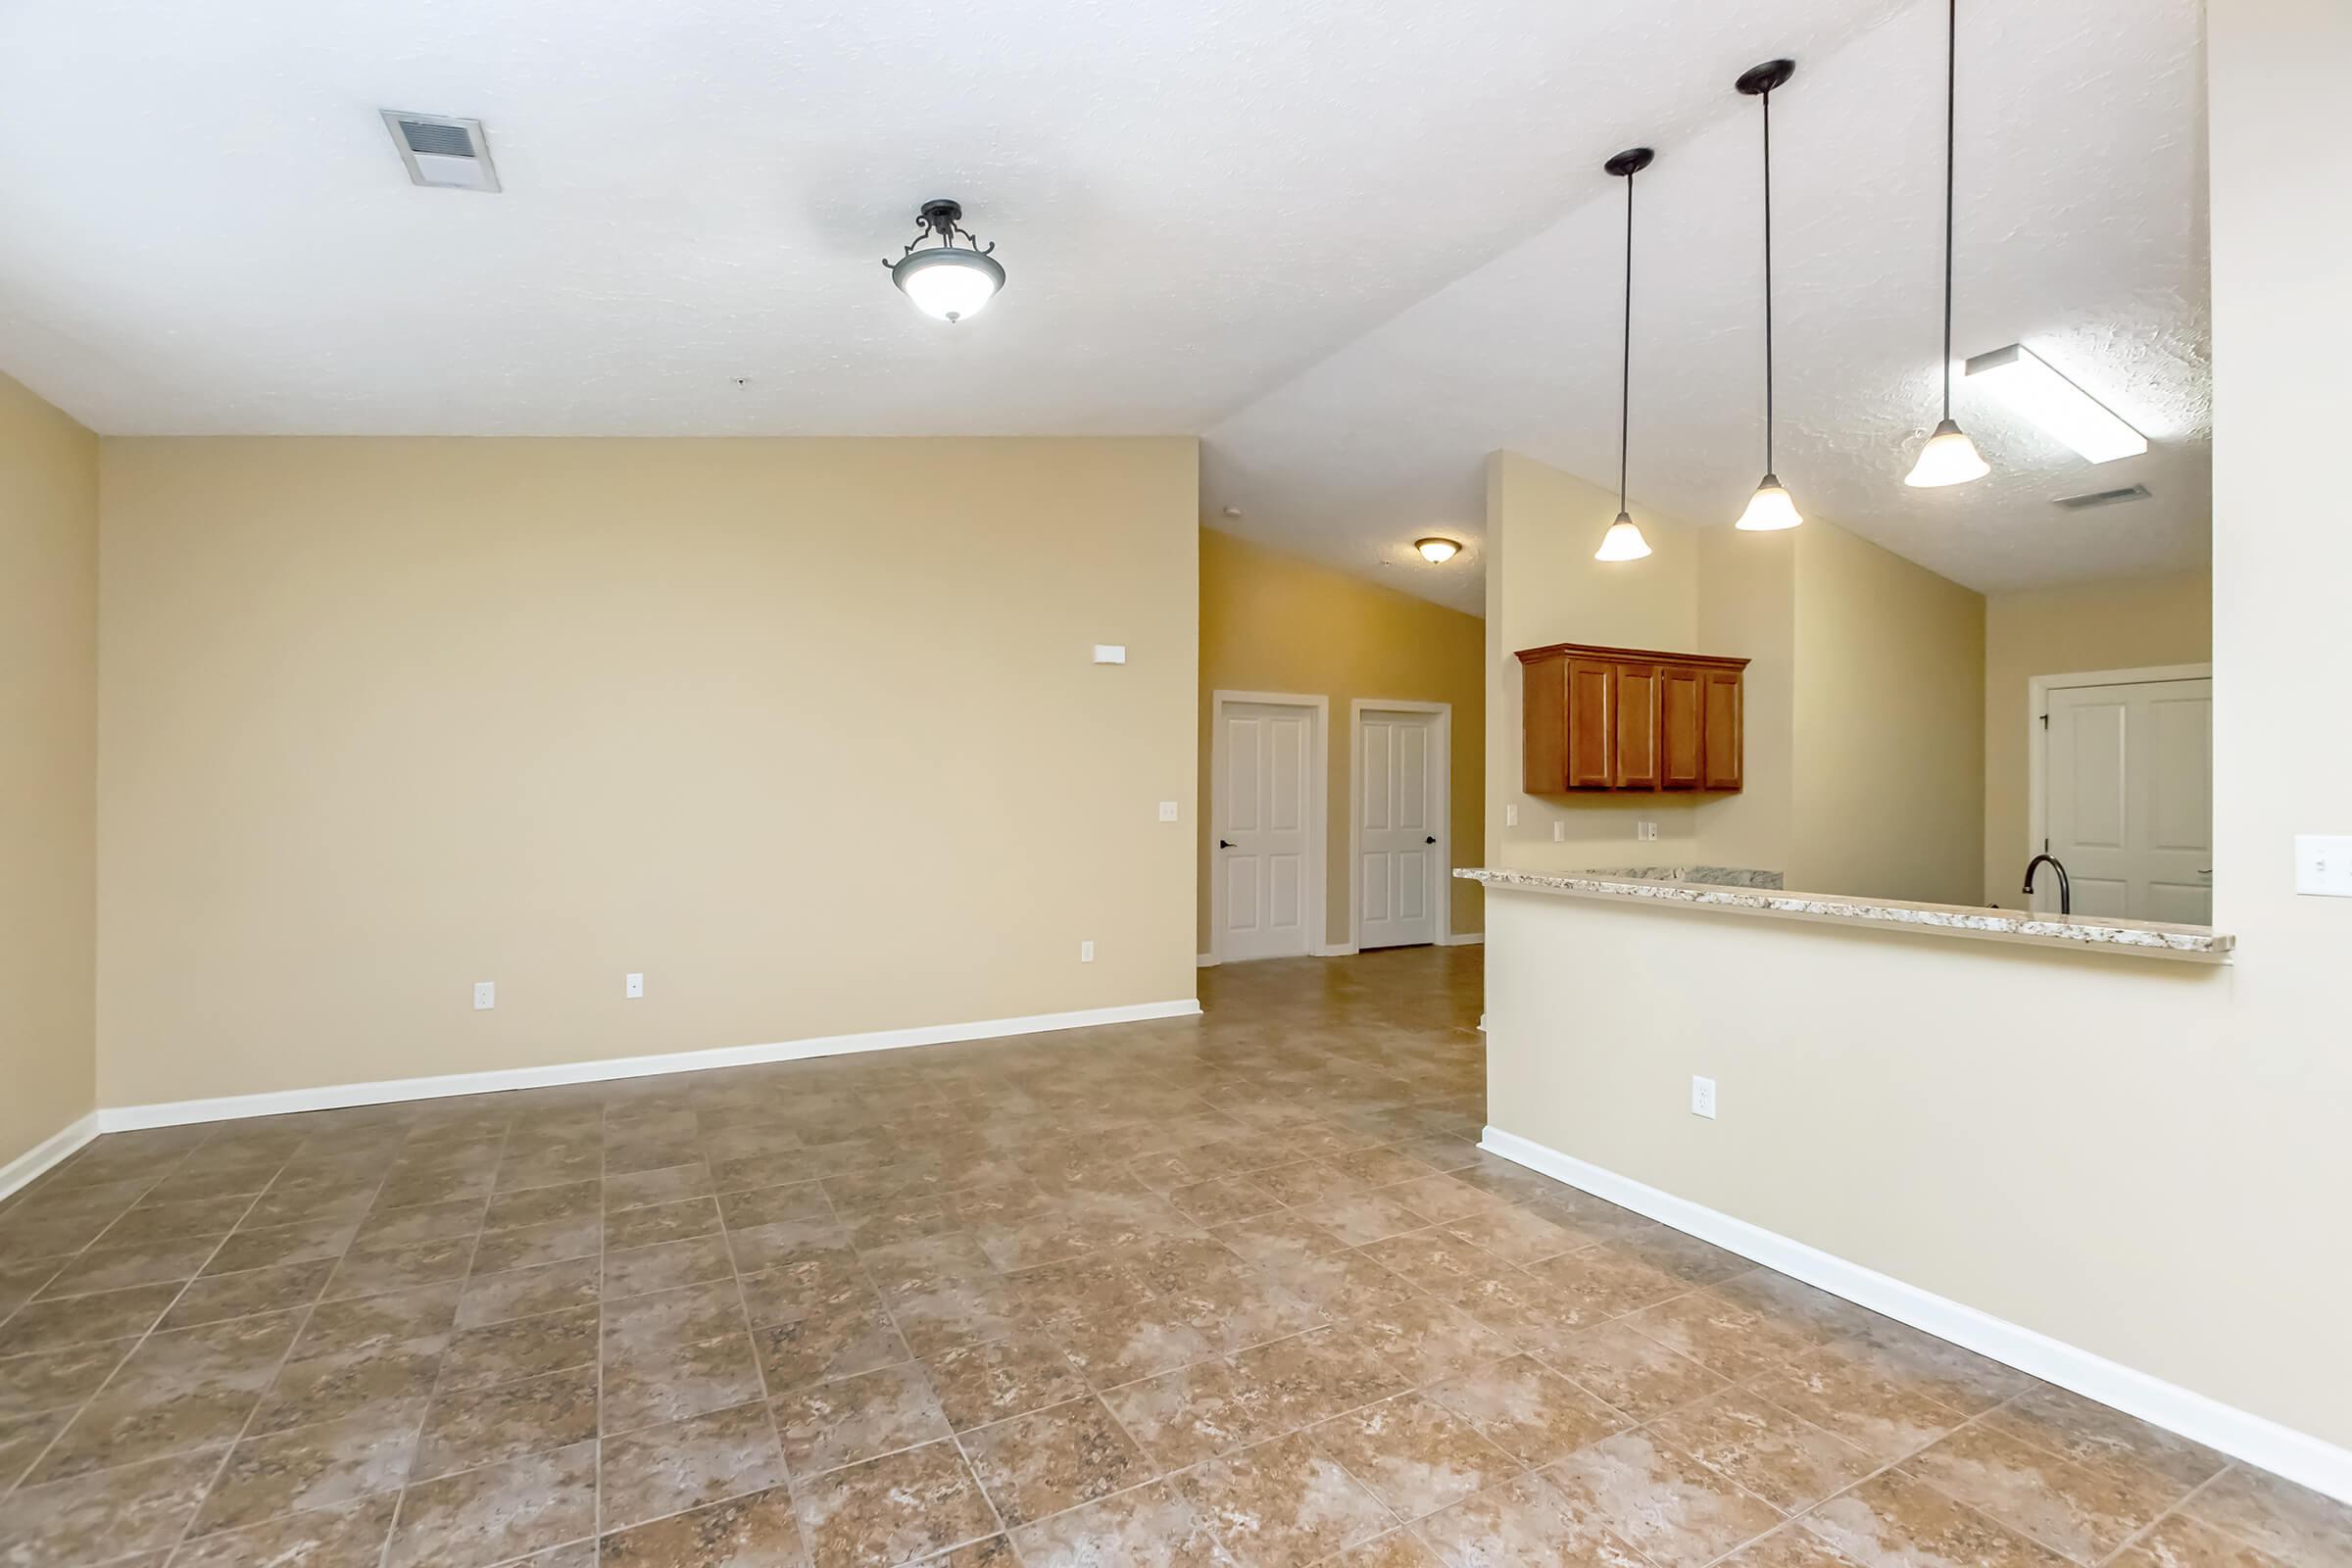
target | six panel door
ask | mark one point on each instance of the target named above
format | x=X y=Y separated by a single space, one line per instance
x=1261 y=830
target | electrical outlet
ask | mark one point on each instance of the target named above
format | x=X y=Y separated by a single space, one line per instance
x=485 y=994
x=1086 y=953
x=1510 y=817
x=1645 y=831
x=1702 y=1097
x=2324 y=865
x=634 y=986
x=1167 y=810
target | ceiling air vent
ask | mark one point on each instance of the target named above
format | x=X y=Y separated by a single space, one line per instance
x=2104 y=498
x=443 y=152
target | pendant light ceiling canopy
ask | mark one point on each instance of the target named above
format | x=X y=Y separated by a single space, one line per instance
x=948 y=281
x=1949 y=457
x=1770 y=507
x=1623 y=541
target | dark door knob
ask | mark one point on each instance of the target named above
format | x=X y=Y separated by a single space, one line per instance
x=1224 y=843
x=1432 y=839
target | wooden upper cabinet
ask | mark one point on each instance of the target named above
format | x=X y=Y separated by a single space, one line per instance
x=1636 y=761
x=1724 y=741
x=1682 y=727
x=1627 y=718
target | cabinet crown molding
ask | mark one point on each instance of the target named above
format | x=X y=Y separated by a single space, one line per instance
x=1646 y=656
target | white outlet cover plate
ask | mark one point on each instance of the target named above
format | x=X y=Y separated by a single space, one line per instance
x=2324 y=865
x=485 y=994
x=1111 y=652
x=1167 y=810
x=1702 y=1097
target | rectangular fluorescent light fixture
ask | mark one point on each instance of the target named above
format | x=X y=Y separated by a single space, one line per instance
x=2026 y=382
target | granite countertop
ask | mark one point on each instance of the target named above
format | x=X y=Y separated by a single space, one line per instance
x=2142 y=938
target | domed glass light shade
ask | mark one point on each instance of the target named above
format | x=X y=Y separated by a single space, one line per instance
x=949 y=281
x=1623 y=541
x=1437 y=551
x=1948 y=457
x=1769 y=508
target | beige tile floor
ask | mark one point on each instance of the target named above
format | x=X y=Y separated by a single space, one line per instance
x=1229 y=1290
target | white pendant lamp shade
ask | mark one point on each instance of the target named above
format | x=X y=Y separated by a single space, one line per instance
x=1623 y=541
x=1769 y=508
x=1948 y=457
x=949 y=281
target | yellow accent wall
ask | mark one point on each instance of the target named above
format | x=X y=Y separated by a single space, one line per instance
x=48 y=760
x=1273 y=622
x=2122 y=623
x=807 y=732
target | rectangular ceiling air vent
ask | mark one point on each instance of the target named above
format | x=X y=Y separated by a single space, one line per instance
x=441 y=150
x=2104 y=498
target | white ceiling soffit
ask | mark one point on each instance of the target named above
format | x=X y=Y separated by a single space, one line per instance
x=2081 y=204
x=1194 y=199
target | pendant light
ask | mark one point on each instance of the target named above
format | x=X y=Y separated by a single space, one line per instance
x=1949 y=457
x=1770 y=506
x=948 y=281
x=1623 y=541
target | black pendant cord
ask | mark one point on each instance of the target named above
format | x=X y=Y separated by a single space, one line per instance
x=1951 y=125
x=1625 y=380
x=1767 y=95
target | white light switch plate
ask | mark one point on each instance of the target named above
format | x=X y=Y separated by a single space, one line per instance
x=1086 y=953
x=1645 y=831
x=1111 y=652
x=1510 y=817
x=1167 y=810
x=2324 y=865
x=485 y=994
x=633 y=985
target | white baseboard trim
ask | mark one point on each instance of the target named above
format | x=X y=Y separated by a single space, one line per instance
x=49 y=1151
x=1465 y=939
x=335 y=1096
x=1205 y=960
x=2256 y=1439
x=1335 y=949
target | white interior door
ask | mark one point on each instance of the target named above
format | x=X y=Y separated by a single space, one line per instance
x=1399 y=792
x=1265 y=815
x=2130 y=808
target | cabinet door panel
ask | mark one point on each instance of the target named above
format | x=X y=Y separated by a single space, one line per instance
x=1682 y=699
x=1725 y=738
x=1637 y=759
x=1544 y=711
x=1592 y=702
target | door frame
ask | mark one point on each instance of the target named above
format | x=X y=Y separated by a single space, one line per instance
x=1318 y=811
x=2037 y=729
x=1443 y=894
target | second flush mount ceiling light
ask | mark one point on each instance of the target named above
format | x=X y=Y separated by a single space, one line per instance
x=1770 y=506
x=947 y=281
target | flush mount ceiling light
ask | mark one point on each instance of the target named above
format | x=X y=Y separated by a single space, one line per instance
x=1949 y=457
x=1770 y=507
x=949 y=281
x=1623 y=541
x=2027 y=384
x=1435 y=550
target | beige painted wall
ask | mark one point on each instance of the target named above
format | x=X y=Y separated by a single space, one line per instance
x=1544 y=586
x=2123 y=624
x=2141 y=1159
x=805 y=731
x=1747 y=608
x=1888 y=748
x=1273 y=622
x=48 y=762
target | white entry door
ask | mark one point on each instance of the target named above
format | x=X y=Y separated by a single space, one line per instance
x=1400 y=802
x=2130 y=808
x=1265 y=815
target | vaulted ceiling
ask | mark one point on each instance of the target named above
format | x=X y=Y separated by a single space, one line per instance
x=1356 y=243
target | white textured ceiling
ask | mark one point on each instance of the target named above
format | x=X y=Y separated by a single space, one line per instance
x=1303 y=228
x=2081 y=234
